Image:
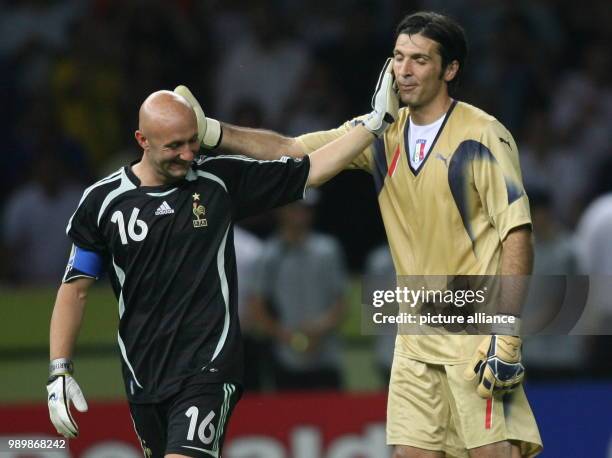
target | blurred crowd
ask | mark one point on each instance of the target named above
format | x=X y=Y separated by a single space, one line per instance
x=73 y=74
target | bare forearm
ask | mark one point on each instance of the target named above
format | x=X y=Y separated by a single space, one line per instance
x=329 y=160
x=67 y=317
x=516 y=266
x=258 y=143
x=517 y=252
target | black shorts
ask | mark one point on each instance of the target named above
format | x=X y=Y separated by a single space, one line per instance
x=193 y=422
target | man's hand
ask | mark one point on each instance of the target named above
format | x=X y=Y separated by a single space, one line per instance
x=385 y=102
x=497 y=363
x=209 y=129
x=63 y=390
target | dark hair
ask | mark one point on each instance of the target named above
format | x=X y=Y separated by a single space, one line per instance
x=449 y=35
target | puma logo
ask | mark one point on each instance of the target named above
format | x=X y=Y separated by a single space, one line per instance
x=503 y=140
x=443 y=159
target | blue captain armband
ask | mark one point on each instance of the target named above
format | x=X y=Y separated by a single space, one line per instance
x=83 y=264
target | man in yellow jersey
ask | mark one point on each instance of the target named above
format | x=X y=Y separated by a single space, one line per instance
x=451 y=196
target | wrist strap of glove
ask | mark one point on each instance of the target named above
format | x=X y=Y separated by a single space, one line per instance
x=368 y=128
x=213 y=135
x=60 y=366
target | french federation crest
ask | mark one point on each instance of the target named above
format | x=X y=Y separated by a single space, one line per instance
x=198 y=212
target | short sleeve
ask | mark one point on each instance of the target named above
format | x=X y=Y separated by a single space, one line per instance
x=313 y=141
x=83 y=264
x=499 y=181
x=256 y=186
x=83 y=227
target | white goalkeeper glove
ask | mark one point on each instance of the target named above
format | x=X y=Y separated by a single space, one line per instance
x=385 y=102
x=497 y=363
x=63 y=390
x=209 y=129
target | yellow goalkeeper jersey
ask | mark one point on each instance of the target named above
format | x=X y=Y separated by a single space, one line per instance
x=449 y=216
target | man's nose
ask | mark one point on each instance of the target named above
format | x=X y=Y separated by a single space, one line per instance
x=187 y=154
x=405 y=68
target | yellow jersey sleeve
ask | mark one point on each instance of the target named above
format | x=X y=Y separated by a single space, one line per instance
x=499 y=182
x=315 y=140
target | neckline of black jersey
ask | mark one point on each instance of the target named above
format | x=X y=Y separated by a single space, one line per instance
x=135 y=180
x=416 y=171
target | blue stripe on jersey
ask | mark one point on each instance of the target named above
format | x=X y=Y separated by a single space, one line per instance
x=514 y=191
x=88 y=262
x=468 y=151
x=379 y=171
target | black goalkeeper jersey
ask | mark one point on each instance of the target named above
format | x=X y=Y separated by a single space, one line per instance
x=169 y=252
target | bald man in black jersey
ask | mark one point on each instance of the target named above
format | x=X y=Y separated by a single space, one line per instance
x=161 y=228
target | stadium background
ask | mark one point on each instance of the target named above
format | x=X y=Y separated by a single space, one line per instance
x=73 y=74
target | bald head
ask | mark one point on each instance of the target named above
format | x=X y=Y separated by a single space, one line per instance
x=163 y=109
x=168 y=135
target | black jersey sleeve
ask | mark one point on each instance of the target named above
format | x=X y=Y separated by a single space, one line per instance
x=83 y=227
x=255 y=186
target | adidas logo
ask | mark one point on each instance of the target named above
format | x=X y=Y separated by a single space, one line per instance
x=164 y=209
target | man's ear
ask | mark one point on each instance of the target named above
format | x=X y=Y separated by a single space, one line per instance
x=451 y=71
x=141 y=139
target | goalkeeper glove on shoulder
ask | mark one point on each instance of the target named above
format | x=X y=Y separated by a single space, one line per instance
x=63 y=390
x=385 y=102
x=497 y=364
x=209 y=129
